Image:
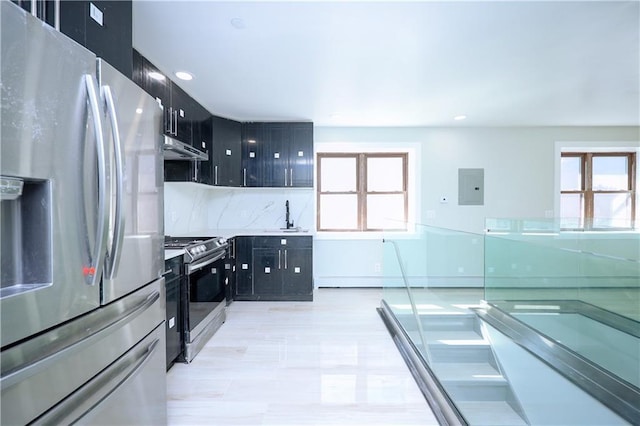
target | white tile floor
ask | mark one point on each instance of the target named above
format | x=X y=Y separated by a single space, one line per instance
x=326 y=362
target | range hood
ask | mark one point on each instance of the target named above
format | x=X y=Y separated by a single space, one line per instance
x=176 y=150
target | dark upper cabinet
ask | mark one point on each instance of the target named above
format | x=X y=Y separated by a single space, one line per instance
x=277 y=154
x=184 y=119
x=252 y=155
x=104 y=27
x=182 y=114
x=201 y=138
x=226 y=154
x=300 y=156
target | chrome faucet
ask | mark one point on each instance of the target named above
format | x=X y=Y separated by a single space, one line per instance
x=289 y=223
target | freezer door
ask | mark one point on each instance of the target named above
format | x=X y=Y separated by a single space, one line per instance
x=43 y=372
x=132 y=122
x=52 y=236
x=132 y=391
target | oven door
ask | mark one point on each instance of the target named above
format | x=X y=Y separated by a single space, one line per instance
x=205 y=294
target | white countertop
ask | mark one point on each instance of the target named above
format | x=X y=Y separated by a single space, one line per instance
x=170 y=253
x=229 y=233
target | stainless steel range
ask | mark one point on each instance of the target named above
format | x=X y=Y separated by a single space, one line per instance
x=203 y=295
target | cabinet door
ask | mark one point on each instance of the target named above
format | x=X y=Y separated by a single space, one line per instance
x=205 y=133
x=252 y=154
x=110 y=39
x=227 y=152
x=297 y=272
x=300 y=155
x=267 y=264
x=244 y=270
x=182 y=111
x=159 y=89
x=276 y=140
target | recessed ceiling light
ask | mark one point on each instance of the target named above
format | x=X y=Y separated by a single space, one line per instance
x=237 y=23
x=459 y=117
x=138 y=110
x=156 y=76
x=183 y=75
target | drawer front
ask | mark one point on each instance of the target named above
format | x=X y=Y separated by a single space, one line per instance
x=283 y=242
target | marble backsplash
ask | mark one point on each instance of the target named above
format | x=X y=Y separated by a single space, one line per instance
x=191 y=207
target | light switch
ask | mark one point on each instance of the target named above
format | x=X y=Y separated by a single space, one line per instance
x=267 y=270
x=296 y=270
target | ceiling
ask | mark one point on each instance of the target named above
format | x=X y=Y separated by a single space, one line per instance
x=392 y=63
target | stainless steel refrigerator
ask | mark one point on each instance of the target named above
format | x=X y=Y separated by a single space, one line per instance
x=81 y=235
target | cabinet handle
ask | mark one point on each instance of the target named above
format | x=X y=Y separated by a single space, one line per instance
x=279 y=264
x=195 y=171
x=285 y=177
x=285 y=259
x=56 y=15
x=175 y=129
x=215 y=175
x=169 y=124
x=291 y=176
x=244 y=177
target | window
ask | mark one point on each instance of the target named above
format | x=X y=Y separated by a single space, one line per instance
x=597 y=190
x=362 y=192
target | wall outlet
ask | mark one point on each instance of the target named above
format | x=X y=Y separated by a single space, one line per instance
x=431 y=214
x=377 y=267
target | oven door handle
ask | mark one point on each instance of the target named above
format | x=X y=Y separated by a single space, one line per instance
x=192 y=267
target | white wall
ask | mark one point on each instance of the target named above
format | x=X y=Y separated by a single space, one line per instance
x=520 y=181
x=519 y=171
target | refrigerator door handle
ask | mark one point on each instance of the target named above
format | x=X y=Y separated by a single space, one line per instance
x=70 y=344
x=93 y=272
x=100 y=389
x=118 y=228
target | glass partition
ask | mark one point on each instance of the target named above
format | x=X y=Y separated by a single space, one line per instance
x=534 y=260
x=574 y=291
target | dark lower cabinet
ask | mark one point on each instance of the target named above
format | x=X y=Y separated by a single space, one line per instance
x=243 y=277
x=274 y=268
x=173 y=325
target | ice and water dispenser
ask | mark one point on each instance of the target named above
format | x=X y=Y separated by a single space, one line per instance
x=25 y=235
